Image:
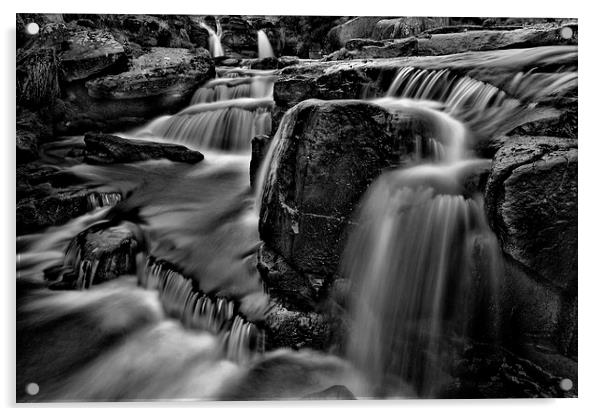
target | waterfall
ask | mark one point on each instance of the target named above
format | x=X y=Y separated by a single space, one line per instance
x=221 y=89
x=215 y=43
x=225 y=113
x=485 y=108
x=197 y=310
x=264 y=48
x=423 y=264
x=103 y=199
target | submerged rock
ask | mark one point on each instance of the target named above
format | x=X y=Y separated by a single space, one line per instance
x=97 y=256
x=106 y=148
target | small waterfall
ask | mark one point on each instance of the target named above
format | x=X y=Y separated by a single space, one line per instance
x=197 y=310
x=215 y=43
x=103 y=199
x=417 y=277
x=423 y=264
x=264 y=48
x=221 y=89
x=226 y=125
x=225 y=113
x=485 y=108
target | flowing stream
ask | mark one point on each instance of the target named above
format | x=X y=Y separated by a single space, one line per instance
x=188 y=325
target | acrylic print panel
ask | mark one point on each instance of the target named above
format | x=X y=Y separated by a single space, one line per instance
x=295 y=207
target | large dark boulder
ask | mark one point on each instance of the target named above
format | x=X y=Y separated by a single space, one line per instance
x=531 y=201
x=105 y=148
x=327 y=154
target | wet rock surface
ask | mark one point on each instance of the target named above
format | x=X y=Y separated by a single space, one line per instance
x=162 y=71
x=328 y=154
x=449 y=43
x=160 y=81
x=332 y=393
x=99 y=255
x=295 y=329
x=354 y=50
x=531 y=201
x=105 y=148
x=91 y=53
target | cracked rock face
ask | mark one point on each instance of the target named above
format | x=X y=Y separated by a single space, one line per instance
x=91 y=53
x=531 y=201
x=327 y=153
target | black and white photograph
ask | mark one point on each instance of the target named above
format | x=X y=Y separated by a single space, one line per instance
x=287 y=207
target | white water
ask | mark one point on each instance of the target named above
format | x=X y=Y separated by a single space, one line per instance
x=215 y=42
x=264 y=48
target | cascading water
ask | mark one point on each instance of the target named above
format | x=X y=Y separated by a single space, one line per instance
x=225 y=113
x=264 y=47
x=215 y=42
x=422 y=260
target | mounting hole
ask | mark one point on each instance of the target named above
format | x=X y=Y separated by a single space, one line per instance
x=566 y=32
x=566 y=384
x=32 y=28
x=32 y=389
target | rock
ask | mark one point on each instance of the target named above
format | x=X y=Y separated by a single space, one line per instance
x=160 y=81
x=362 y=42
x=285 y=61
x=531 y=201
x=264 y=63
x=239 y=39
x=293 y=290
x=365 y=79
x=31 y=130
x=294 y=329
x=404 y=27
x=450 y=43
x=97 y=256
x=332 y=393
x=359 y=27
x=27 y=146
x=92 y=53
x=404 y=47
x=259 y=148
x=328 y=154
x=161 y=72
x=105 y=148
x=46 y=206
